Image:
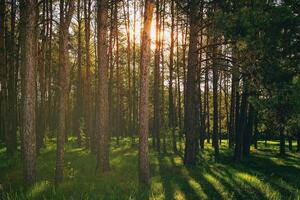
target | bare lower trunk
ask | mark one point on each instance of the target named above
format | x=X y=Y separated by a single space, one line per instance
x=298 y=141
x=64 y=81
x=103 y=112
x=144 y=73
x=3 y=101
x=28 y=17
x=157 y=105
x=191 y=143
x=282 y=142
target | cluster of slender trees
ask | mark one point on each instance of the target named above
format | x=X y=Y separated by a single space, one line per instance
x=95 y=70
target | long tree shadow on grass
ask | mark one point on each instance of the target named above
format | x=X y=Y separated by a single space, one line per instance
x=173 y=181
x=197 y=175
x=274 y=173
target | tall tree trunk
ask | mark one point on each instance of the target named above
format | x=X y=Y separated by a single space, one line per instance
x=42 y=80
x=163 y=77
x=298 y=141
x=199 y=100
x=240 y=131
x=3 y=90
x=118 y=77
x=79 y=94
x=144 y=73
x=215 y=103
x=184 y=39
x=64 y=82
x=103 y=129
x=178 y=72
x=128 y=52
x=111 y=68
x=88 y=83
x=28 y=19
x=282 y=141
x=171 y=69
x=220 y=108
x=206 y=87
x=290 y=138
x=190 y=132
x=134 y=78
x=11 y=139
x=248 y=131
x=157 y=79
x=255 y=138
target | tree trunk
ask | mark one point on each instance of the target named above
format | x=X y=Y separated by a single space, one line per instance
x=118 y=77
x=41 y=126
x=79 y=92
x=103 y=128
x=255 y=138
x=88 y=83
x=206 y=96
x=220 y=109
x=171 y=68
x=215 y=103
x=240 y=133
x=64 y=82
x=178 y=72
x=11 y=139
x=248 y=132
x=134 y=78
x=157 y=79
x=290 y=143
x=111 y=68
x=144 y=73
x=28 y=19
x=128 y=52
x=298 y=141
x=233 y=113
x=190 y=132
x=3 y=91
x=163 y=77
x=282 y=142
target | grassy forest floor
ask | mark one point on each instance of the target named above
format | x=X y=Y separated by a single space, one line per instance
x=265 y=175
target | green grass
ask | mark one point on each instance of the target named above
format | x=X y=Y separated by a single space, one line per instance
x=265 y=175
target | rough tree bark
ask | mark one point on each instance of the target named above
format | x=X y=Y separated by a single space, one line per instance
x=215 y=103
x=240 y=131
x=64 y=82
x=103 y=112
x=144 y=79
x=190 y=132
x=28 y=17
x=171 y=69
x=88 y=83
x=11 y=139
x=156 y=92
x=79 y=92
x=3 y=101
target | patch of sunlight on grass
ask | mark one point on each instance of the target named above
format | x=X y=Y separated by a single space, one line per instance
x=217 y=185
x=178 y=194
x=197 y=187
x=263 y=187
x=157 y=189
x=70 y=171
x=177 y=161
x=2 y=150
x=38 y=189
x=194 y=184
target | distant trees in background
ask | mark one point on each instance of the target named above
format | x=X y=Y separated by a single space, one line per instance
x=186 y=71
